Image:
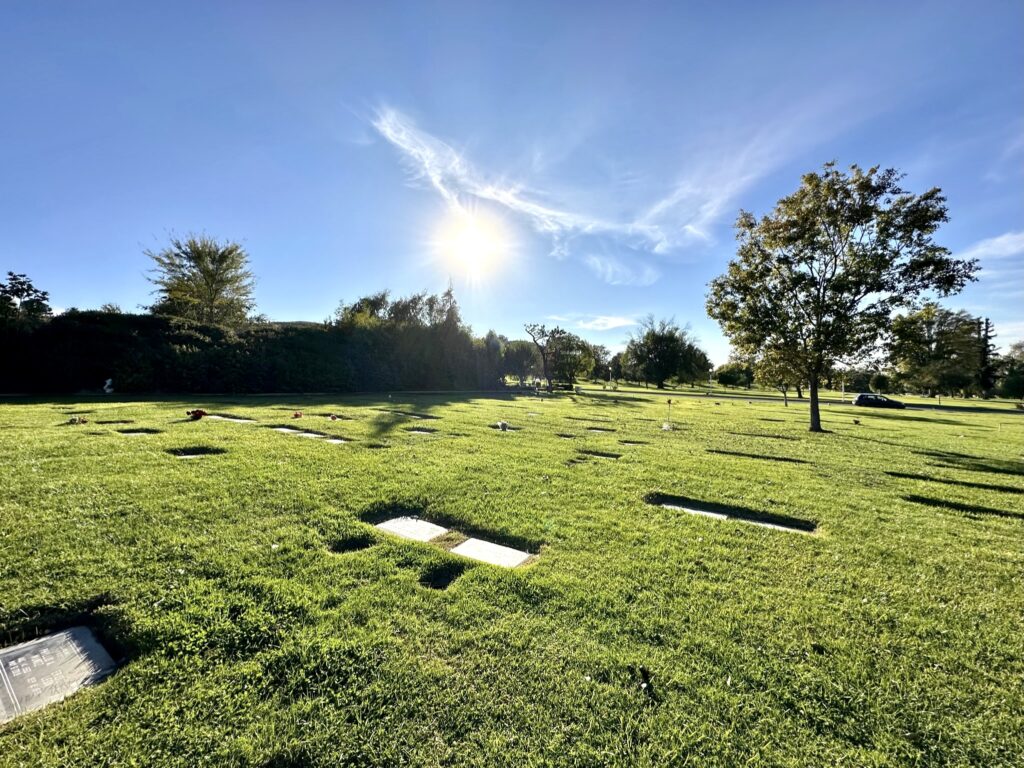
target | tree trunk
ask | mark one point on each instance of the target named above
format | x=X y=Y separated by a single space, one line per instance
x=785 y=398
x=800 y=391
x=815 y=413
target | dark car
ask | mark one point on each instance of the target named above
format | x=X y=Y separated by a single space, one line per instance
x=877 y=401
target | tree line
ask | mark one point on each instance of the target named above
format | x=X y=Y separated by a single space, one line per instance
x=201 y=334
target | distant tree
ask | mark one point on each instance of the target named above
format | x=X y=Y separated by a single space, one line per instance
x=547 y=343
x=661 y=350
x=829 y=265
x=602 y=362
x=937 y=351
x=615 y=366
x=201 y=279
x=988 y=362
x=21 y=303
x=734 y=374
x=575 y=358
x=880 y=383
x=775 y=370
x=111 y=309
x=1011 y=383
x=519 y=359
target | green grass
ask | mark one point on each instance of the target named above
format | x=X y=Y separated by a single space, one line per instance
x=892 y=636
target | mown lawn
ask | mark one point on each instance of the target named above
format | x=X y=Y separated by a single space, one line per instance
x=265 y=622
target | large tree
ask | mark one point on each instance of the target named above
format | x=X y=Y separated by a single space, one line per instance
x=547 y=343
x=827 y=267
x=201 y=279
x=661 y=350
x=935 y=350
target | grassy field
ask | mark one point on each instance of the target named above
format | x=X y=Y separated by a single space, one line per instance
x=263 y=621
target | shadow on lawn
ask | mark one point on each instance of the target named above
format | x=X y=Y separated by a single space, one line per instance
x=731 y=511
x=961 y=483
x=965 y=461
x=98 y=613
x=742 y=455
x=763 y=434
x=956 y=506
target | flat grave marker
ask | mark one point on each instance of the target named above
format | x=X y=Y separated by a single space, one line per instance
x=495 y=554
x=412 y=528
x=49 y=669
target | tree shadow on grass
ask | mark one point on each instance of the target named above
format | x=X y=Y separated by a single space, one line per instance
x=953 y=460
x=731 y=512
x=961 y=483
x=762 y=434
x=956 y=506
x=742 y=455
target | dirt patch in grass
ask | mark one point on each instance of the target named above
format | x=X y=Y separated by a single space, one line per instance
x=731 y=512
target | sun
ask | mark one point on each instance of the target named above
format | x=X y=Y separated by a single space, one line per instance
x=472 y=243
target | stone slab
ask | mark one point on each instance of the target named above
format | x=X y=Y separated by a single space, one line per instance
x=50 y=669
x=310 y=435
x=232 y=419
x=495 y=554
x=287 y=430
x=412 y=528
x=336 y=441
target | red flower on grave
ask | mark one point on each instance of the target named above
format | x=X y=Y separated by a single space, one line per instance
x=297 y=415
x=196 y=414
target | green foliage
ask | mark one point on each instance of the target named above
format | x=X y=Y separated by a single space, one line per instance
x=938 y=351
x=204 y=281
x=881 y=383
x=520 y=359
x=772 y=369
x=735 y=374
x=21 y=303
x=821 y=275
x=1012 y=382
x=662 y=350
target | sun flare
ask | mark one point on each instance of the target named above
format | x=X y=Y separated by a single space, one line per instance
x=472 y=243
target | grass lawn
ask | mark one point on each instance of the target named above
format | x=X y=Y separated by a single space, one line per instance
x=264 y=621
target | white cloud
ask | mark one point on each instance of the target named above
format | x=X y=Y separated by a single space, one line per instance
x=684 y=216
x=1001 y=247
x=606 y=323
x=614 y=272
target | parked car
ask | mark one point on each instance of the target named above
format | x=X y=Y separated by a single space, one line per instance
x=877 y=401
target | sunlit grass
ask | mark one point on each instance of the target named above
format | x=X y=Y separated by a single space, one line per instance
x=267 y=623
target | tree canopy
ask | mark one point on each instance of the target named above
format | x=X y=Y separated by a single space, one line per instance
x=821 y=275
x=21 y=303
x=200 y=279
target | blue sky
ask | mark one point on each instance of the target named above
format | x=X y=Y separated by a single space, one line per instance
x=609 y=145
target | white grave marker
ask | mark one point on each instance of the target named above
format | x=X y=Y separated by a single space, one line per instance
x=495 y=554
x=412 y=528
x=49 y=669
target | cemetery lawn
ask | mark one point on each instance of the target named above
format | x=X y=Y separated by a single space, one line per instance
x=264 y=621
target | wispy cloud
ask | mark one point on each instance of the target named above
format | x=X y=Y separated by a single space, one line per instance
x=614 y=272
x=1001 y=247
x=684 y=215
x=606 y=323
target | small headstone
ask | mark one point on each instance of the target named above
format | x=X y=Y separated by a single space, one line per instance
x=495 y=554
x=336 y=441
x=312 y=435
x=287 y=430
x=50 y=669
x=412 y=528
